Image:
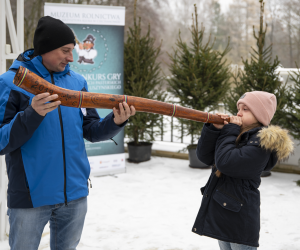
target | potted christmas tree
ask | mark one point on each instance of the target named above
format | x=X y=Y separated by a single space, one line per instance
x=200 y=80
x=260 y=74
x=141 y=79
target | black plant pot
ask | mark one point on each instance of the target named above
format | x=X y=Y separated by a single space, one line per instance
x=265 y=173
x=139 y=153
x=194 y=161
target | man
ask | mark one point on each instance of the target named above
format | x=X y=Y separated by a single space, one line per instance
x=86 y=51
x=47 y=165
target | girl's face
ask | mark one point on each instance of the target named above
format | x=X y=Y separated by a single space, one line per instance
x=247 y=117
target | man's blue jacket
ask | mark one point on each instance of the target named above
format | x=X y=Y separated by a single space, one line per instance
x=46 y=158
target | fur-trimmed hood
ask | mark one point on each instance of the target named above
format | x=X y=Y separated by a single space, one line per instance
x=277 y=140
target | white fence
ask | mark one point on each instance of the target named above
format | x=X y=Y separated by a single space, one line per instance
x=173 y=131
x=16 y=34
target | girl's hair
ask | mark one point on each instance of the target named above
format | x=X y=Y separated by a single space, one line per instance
x=238 y=139
x=245 y=129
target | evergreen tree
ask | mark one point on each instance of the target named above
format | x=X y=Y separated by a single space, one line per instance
x=294 y=114
x=141 y=79
x=200 y=76
x=259 y=74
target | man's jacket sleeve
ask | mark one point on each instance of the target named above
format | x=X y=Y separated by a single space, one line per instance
x=96 y=129
x=18 y=120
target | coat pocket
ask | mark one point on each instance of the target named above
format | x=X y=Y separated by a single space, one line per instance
x=227 y=202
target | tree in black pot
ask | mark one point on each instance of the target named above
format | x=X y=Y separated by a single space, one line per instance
x=141 y=79
x=260 y=74
x=200 y=79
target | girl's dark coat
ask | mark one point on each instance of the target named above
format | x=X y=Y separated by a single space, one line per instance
x=230 y=208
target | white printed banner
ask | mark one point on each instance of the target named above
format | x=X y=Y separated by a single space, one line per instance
x=86 y=14
x=98 y=56
x=106 y=164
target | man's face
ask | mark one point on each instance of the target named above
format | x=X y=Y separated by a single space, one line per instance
x=56 y=60
x=88 y=45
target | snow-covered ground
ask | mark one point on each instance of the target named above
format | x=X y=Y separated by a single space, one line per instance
x=153 y=207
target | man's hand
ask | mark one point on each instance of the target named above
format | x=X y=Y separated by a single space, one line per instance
x=41 y=107
x=123 y=113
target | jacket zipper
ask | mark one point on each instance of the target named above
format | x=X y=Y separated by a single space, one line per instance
x=29 y=197
x=63 y=147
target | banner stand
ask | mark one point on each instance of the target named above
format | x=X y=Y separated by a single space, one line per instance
x=99 y=57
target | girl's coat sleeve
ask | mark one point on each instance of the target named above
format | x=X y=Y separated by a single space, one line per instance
x=206 y=144
x=246 y=162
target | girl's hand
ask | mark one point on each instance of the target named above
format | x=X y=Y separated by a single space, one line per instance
x=236 y=120
x=223 y=116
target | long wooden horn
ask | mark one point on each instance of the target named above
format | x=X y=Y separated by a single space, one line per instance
x=34 y=84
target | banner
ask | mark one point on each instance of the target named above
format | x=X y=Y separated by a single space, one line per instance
x=98 y=57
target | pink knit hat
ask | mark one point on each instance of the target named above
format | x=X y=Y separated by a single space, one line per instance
x=261 y=104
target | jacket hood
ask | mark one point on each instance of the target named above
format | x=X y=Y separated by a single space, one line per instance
x=277 y=140
x=34 y=64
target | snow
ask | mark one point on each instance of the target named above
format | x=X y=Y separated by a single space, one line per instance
x=153 y=207
x=169 y=146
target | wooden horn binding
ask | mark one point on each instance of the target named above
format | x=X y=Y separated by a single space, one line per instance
x=34 y=84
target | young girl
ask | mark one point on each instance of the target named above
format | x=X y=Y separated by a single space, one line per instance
x=239 y=152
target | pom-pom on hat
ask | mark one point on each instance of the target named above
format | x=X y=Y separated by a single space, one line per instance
x=261 y=104
x=50 y=34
